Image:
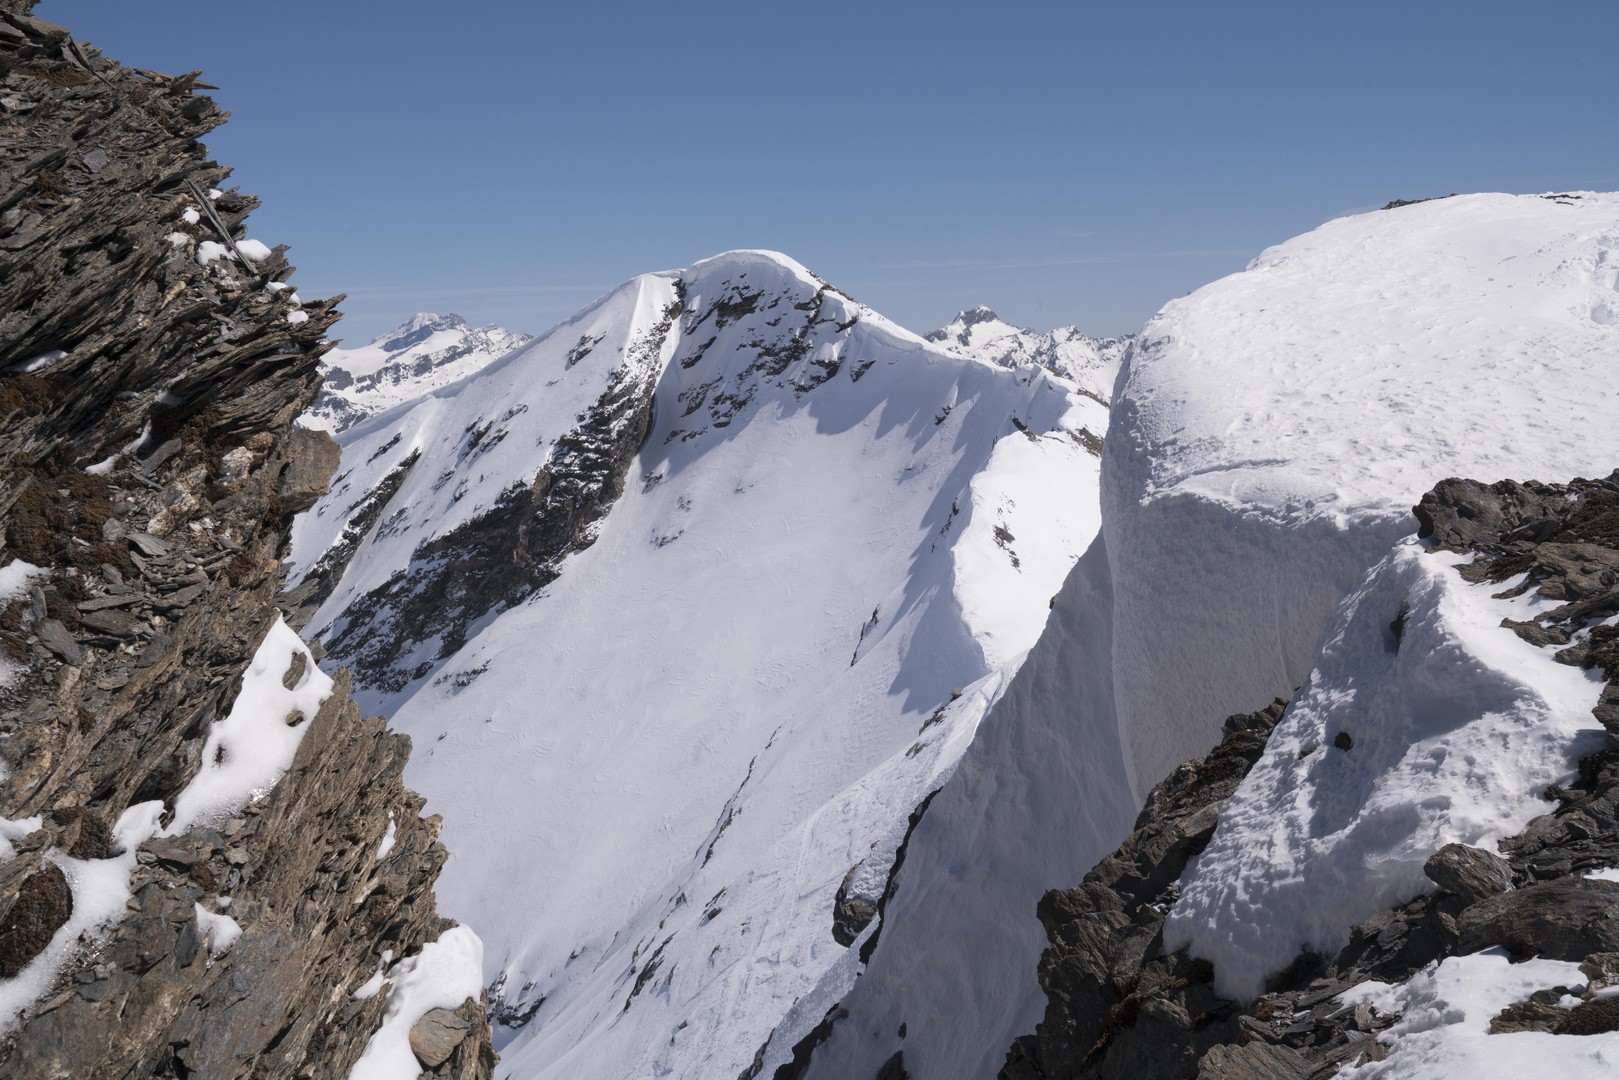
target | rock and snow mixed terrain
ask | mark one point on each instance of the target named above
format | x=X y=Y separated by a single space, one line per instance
x=676 y=601
x=1269 y=436
x=420 y=355
x=1091 y=363
x=688 y=605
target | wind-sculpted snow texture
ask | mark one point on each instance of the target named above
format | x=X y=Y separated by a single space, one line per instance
x=1273 y=430
x=1269 y=436
x=420 y=355
x=1092 y=363
x=768 y=558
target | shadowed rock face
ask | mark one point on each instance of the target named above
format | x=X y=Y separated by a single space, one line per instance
x=180 y=375
x=1118 y=1005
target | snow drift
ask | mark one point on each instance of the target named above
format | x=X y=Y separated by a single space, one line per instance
x=1269 y=435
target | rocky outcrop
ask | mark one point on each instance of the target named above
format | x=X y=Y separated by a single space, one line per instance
x=1119 y=1005
x=154 y=360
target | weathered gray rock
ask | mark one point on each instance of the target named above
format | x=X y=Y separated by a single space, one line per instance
x=1565 y=920
x=1255 y=1061
x=1469 y=872
x=141 y=639
x=312 y=458
x=435 y=1036
x=54 y=636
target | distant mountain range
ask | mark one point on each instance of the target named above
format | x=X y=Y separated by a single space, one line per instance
x=423 y=353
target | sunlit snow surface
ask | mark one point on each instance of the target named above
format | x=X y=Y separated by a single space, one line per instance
x=1444 y=1028
x=1272 y=430
x=1457 y=729
x=1269 y=436
x=655 y=774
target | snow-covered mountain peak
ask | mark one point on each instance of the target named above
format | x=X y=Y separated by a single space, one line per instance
x=1091 y=362
x=425 y=352
x=689 y=603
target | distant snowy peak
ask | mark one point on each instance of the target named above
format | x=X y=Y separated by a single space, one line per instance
x=420 y=355
x=1090 y=362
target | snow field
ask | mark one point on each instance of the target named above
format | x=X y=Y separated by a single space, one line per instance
x=1271 y=431
x=1268 y=436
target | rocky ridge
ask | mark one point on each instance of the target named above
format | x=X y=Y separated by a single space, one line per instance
x=1119 y=1005
x=154 y=359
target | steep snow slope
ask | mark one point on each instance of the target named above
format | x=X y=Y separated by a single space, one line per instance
x=686 y=588
x=1090 y=362
x=1269 y=436
x=423 y=353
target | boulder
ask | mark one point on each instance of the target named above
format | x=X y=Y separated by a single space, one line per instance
x=1469 y=872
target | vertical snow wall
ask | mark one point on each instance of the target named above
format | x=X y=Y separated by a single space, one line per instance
x=1269 y=435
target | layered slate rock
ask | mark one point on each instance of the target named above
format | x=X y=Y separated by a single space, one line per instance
x=1119 y=1005
x=151 y=363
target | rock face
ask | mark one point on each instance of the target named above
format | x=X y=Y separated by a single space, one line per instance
x=153 y=364
x=1120 y=1005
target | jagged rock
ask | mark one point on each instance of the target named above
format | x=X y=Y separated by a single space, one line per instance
x=179 y=383
x=1565 y=920
x=1118 y=1006
x=1527 y=1016
x=851 y=913
x=1590 y=1018
x=1255 y=1061
x=40 y=905
x=1469 y=872
x=312 y=458
x=54 y=636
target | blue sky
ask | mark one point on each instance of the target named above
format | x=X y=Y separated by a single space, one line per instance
x=1062 y=163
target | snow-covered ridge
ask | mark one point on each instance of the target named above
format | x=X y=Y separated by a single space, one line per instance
x=1090 y=362
x=689 y=604
x=1270 y=434
x=420 y=355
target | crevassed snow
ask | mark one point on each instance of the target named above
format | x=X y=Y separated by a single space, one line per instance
x=1457 y=730
x=442 y=976
x=246 y=752
x=655 y=773
x=1444 y=1027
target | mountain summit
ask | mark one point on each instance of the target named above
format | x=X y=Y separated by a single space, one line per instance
x=1090 y=362
x=688 y=605
x=420 y=355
